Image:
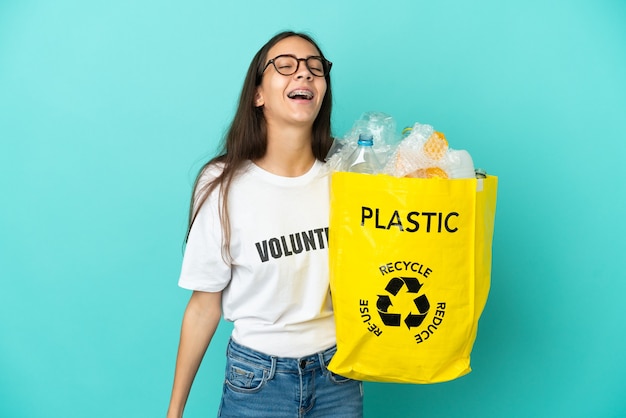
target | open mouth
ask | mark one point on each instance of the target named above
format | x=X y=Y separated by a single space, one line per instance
x=300 y=94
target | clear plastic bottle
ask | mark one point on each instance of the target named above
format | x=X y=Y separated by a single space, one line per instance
x=363 y=159
x=461 y=165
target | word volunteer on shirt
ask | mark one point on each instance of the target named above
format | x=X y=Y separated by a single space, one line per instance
x=286 y=245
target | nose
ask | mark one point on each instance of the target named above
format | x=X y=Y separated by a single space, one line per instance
x=303 y=70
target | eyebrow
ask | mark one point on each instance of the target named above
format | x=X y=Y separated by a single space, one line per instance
x=295 y=56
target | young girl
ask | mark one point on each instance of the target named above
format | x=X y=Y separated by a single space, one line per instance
x=257 y=247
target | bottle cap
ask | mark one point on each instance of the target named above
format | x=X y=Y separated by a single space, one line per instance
x=366 y=139
x=481 y=173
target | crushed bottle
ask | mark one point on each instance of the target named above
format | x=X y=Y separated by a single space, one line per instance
x=363 y=159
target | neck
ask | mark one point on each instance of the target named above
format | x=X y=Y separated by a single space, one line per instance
x=289 y=152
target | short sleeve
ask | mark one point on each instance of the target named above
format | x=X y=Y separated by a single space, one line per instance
x=203 y=266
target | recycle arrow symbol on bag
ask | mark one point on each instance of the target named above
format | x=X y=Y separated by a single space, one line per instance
x=394 y=319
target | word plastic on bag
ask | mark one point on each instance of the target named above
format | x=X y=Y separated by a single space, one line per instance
x=395 y=220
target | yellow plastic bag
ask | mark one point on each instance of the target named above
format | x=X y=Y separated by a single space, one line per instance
x=410 y=267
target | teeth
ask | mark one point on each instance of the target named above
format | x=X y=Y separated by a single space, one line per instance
x=301 y=93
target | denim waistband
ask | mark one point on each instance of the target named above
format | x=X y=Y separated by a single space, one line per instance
x=311 y=362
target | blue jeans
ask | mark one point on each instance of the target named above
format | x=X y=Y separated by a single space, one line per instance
x=259 y=385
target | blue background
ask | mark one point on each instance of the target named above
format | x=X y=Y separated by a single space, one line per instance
x=108 y=109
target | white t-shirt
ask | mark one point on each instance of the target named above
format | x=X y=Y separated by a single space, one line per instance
x=276 y=290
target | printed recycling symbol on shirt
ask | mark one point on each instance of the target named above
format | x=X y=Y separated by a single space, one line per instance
x=409 y=286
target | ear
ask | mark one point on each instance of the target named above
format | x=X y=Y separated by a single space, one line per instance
x=258 y=99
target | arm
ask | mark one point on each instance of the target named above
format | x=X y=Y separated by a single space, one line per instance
x=200 y=321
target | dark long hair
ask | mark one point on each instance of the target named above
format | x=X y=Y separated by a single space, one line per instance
x=246 y=138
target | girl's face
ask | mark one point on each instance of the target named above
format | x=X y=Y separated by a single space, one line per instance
x=295 y=99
